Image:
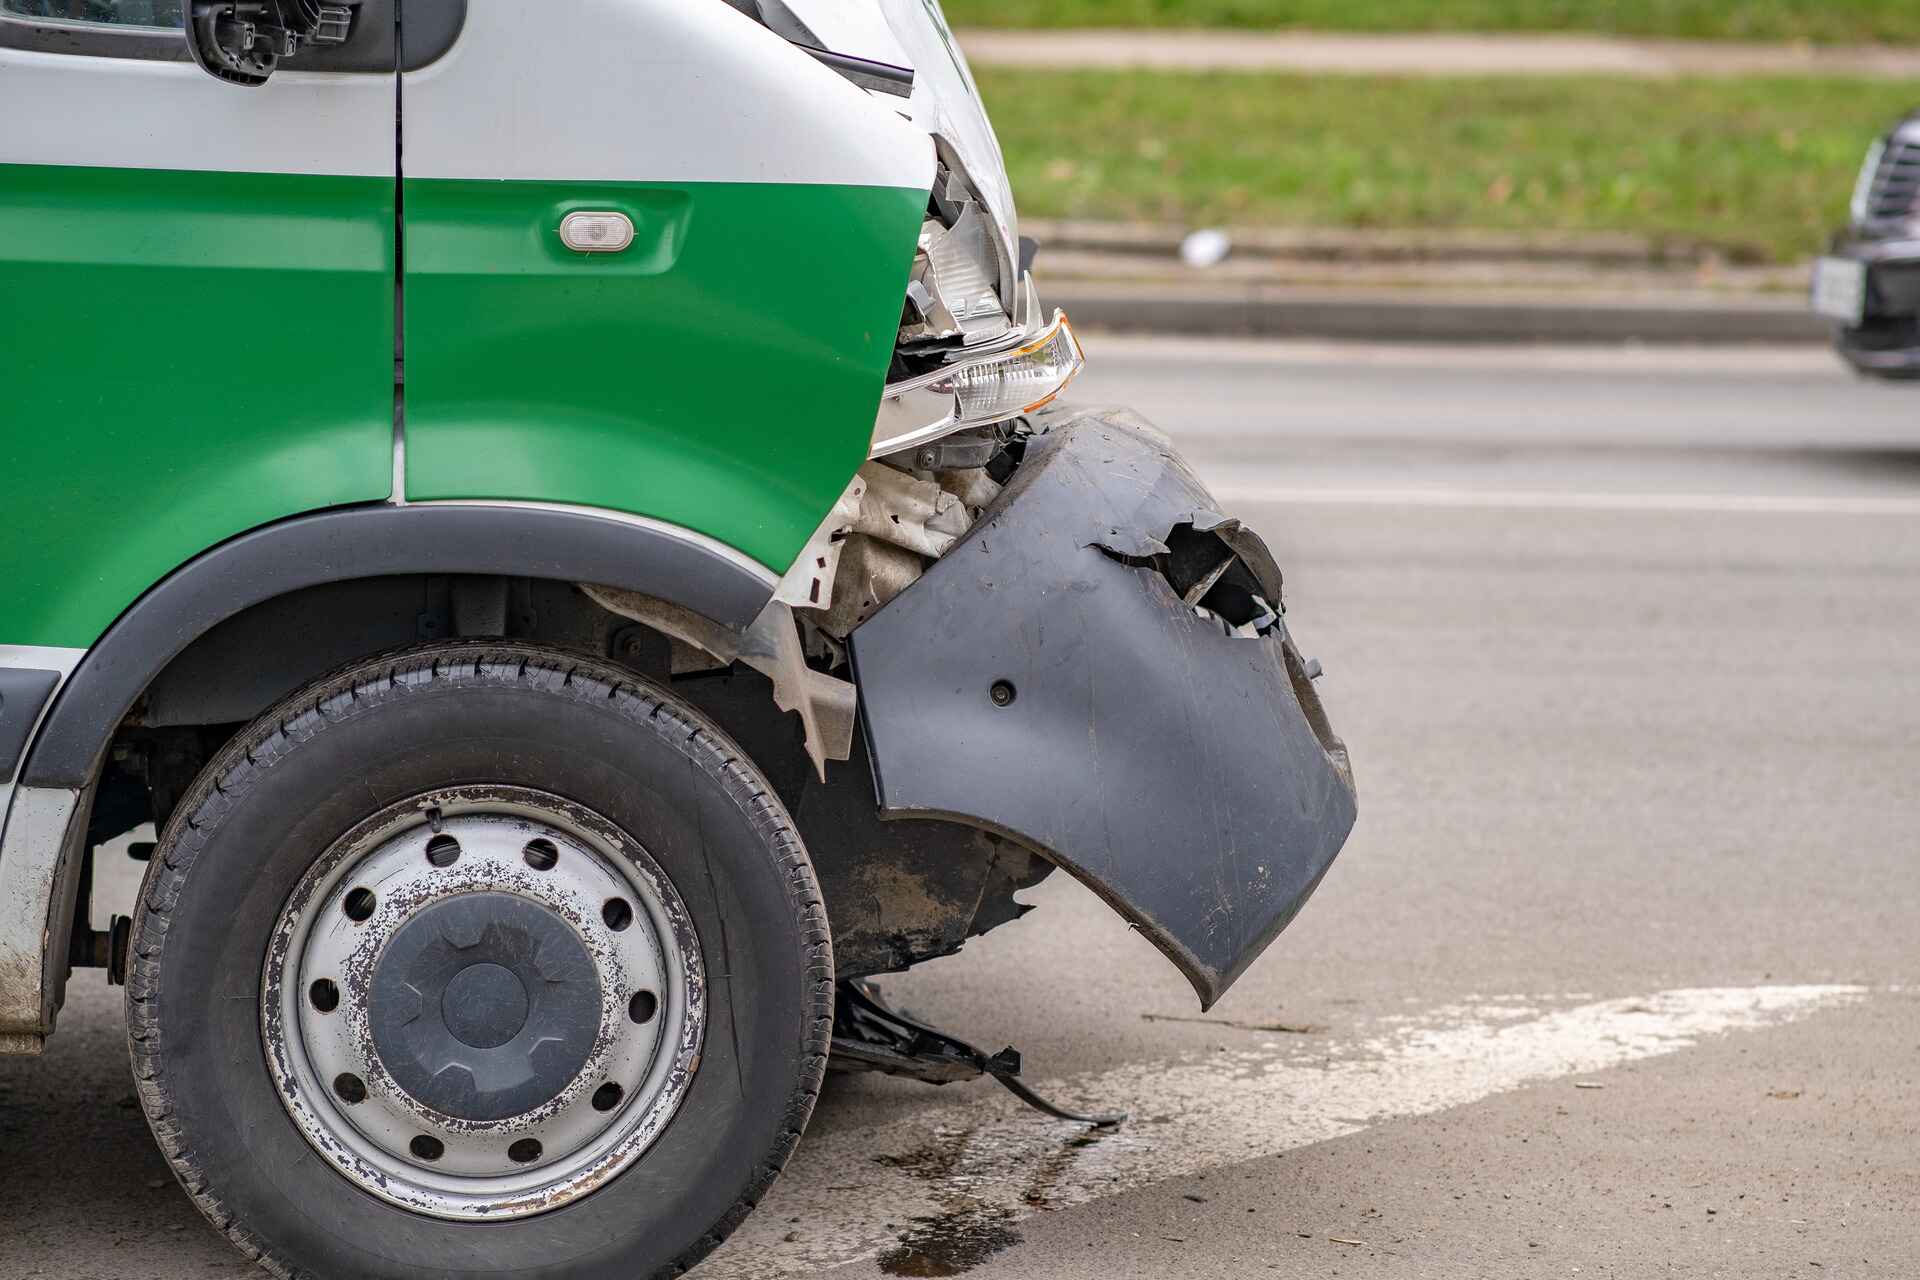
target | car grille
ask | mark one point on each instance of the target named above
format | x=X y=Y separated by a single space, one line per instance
x=1895 y=189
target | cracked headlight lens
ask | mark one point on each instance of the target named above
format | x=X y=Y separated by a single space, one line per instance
x=979 y=390
x=1004 y=386
x=952 y=293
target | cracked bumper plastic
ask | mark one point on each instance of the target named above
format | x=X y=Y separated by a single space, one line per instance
x=1043 y=680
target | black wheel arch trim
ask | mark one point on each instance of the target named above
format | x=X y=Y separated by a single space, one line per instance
x=520 y=540
x=23 y=693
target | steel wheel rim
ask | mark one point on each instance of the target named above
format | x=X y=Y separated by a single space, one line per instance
x=647 y=1030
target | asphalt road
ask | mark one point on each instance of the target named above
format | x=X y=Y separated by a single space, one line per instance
x=1619 y=975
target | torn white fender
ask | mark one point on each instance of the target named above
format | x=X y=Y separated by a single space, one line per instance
x=909 y=512
x=808 y=583
x=877 y=540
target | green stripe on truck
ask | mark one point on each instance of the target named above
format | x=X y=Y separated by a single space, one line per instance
x=722 y=373
x=184 y=356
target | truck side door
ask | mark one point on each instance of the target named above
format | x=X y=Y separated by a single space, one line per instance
x=715 y=363
x=197 y=334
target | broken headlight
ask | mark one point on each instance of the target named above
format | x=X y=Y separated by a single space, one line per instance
x=974 y=347
x=954 y=291
x=961 y=288
x=979 y=388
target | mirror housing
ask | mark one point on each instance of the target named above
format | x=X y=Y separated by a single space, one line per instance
x=242 y=41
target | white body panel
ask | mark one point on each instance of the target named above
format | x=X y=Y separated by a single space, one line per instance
x=32 y=824
x=854 y=27
x=124 y=113
x=946 y=103
x=647 y=91
x=29 y=859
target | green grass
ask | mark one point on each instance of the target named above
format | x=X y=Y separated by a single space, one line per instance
x=1815 y=20
x=1760 y=168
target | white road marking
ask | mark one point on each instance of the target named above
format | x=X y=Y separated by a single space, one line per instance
x=970 y=1167
x=1571 y=500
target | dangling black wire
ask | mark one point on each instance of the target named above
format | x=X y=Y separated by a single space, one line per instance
x=1003 y=1066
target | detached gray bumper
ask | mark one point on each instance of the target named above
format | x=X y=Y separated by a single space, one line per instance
x=1047 y=680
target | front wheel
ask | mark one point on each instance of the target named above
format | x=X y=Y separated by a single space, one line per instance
x=479 y=960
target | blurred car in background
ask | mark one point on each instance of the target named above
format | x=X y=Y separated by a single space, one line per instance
x=1869 y=283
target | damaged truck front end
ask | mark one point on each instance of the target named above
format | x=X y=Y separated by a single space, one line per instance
x=1027 y=627
x=1067 y=656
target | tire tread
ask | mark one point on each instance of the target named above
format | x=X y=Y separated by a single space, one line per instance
x=364 y=686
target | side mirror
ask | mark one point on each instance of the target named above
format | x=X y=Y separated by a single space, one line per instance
x=242 y=41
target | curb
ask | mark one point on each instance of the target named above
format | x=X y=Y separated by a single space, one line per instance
x=1162 y=240
x=1426 y=316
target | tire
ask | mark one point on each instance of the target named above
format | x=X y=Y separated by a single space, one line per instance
x=272 y=811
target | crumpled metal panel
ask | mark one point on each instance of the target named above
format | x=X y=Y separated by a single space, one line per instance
x=1188 y=776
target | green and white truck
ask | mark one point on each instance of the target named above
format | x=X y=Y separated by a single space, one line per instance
x=558 y=516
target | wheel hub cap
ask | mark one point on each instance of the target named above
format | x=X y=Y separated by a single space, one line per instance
x=484 y=1006
x=483 y=1002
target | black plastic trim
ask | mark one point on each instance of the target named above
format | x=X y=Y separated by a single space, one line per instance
x=23 y=692
x=428 y=29
x=880 y=77
x=373 y=542
x=1189 y=777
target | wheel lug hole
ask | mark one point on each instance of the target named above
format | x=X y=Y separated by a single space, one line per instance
x=359 y=904
x=323 y=995
x=443 y=851
x=607 y=1096
x=643 y=1006
x=427 y=1147
x=350 y=1088
x=541 y=854
x=618 y=913
x=525 y=1151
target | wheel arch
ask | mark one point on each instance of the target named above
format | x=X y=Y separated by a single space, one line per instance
x=45 y=842
x=521 y=540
